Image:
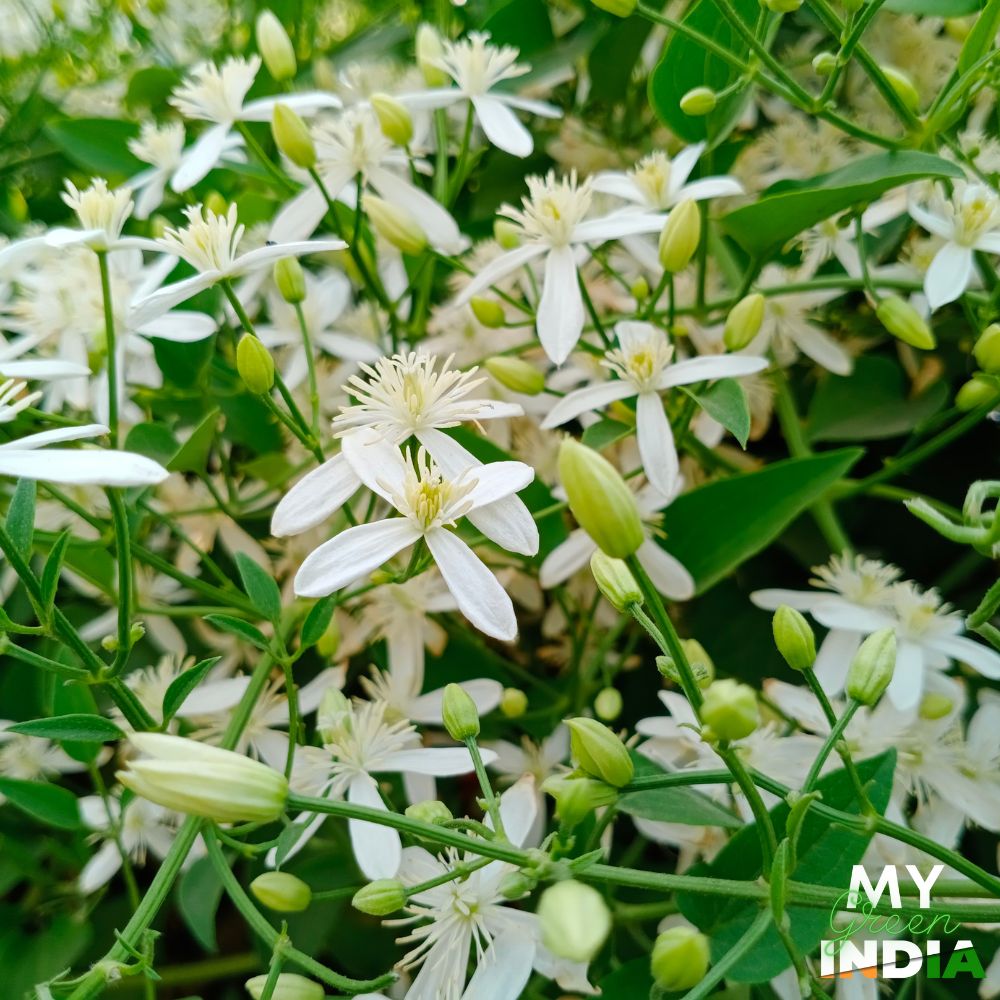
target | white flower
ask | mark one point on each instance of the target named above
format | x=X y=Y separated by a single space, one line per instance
x=644 y=365
x=430 y=503
x=968 y=221
x=477 y=67
x=553 y=225
x=100 y=467
x=359 y=741
x=217 y=94
x=31 y=758
x=210 y=243
x=13 y=398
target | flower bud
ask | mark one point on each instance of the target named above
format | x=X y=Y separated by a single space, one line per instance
x=794 y=638
x=380 y=898
x=872 y=667
x=290 y=987
x=516 y=885
x=459 y=713
x=600 y=499
x=782 y=6
x=202 y=780
x=395 y=224
x=329 y=642
x=282 y=892
x=903 y=87
x=489 y=312
x=680 y=959
x=515 y=374
x=430 y=811
x=904 y=322
x=730 y=710
x=699 y=101
x=615 y=581
x=513 y=703
x=393 y=118
x=575 y=920
x=291 y=136
x=291 y=280
x=430 y=49
x=275 y=47
x=608 y=704
x=704 y=670
x=975 y=392
x=639 y=288
x=599 y=752
x=680 y=236
x=935 y=706
x=824 y=63
x=743 y=322
x=215 y=203
x=334 y=711
x=506 y=234
x=254 y=364
x=577 y=798
x=699 y=661
x=620 y=8
x=987 y=349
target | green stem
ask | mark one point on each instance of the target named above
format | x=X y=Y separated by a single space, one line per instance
x=123 y=553
x=733 y=957
x=831 y=741
x=489 y=796
x=109 y=336
x=311 y=369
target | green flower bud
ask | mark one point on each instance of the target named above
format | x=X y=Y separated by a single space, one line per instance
x=254 y=364
x=577 y=797
x=904 y=322
x=516 y=885
x=430 y=811
x=329 y=641
x=429 y=50
x=987 y=349
x=782 y=6
x=620 y=8
x=291 y=136
x=680 y=236
x=506 y=234
x=699 y=660
x=608 y=704
x=935 y=706
x=699 y=101
x=393 y=118
x=202 y=780
x=489 y=312
x=575 y=920
x=215 y=203
x=380 y=898
x=291 y=280
x=903 y=86
x=730 y=710
x=282 y=892
x=680 y=959
x=824 y=63
x=513 y=703
x=872 y=668
x=600 y=499
x=515 y=374
x=290 y=987
x=639 y=288
x=615 y=581
x=275 y=47
x=459 y=713
x=599 y=752
x=975 y=392
x=794 y=638
x=743 y=322
x=704 y=672
x=395 y=224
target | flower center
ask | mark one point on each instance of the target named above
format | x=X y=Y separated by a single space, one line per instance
x=553 y=208
x=209 y=241
x=641 y=359
x=652 y=178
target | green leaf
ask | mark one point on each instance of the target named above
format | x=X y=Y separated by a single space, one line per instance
x=76 y=699
x=980 y=39
x=152 y=440
x=686 y=64
x=716 y=527
x=725 y=402
x=522 y=23
x=238 y=627
x=78 y=728
x=97 y=144
x=631 y=981
x=193 y=454
x=52 y=568
x=934 y=8
x=826 y=854
x=151 y=86
x=49 y=804
x=20 y=522
x=198 y=896
x=182 y=685
x=612 y=60
x=259 y=587
x=605 y=432
x=787 y=208
x=317 y=622
x=288 y=838
x=870 y=404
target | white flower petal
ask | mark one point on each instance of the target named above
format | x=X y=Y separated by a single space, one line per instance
x=823 y=349
x=266 y=255
x=668 y=574
x=772 y=598
x=499 y=268
x=375 y=461
x=907 y=684
x=497 y=481
x=486 y=693
x=617 y=225
x=304 y=103
x=100 y=869
x=164 y=299
x=301 y=216
x=560 y=315
x=566 y=559
x=710 y=187
x=982 y=659
x=200 y=158
x=438 y=762
x=710 y=366
x=94 y=467
x=441 y=228
x=505 y=968
x=315 y=497
x=932 y=223
x=180 y=327
x=377 y=848
x=590 y=397
x=509 y=523
x=43 y=368
x=656 y=443
x=948 y=276
x=502 y=127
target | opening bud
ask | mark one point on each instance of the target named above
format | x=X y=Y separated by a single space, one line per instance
x=515 y=374
x=620 y=8
x=704 y=670
x=730 y=710
x=275 y=47
x=254 y=364
x=680 y=236
x=289 y=987
x=987 y=349
x=615 y=581
x=794 y=638
x=506 y=234
x=282 y=892
x=430 y=811
x=680 y=959
x=291 y=136
x=575 y=920
x=743 y=322
x=489 y=312
x=577 y=798
x=395 y=224
x=699 y=101
x=513 y=703
x=904 y=322
x=600 y=499
x=699 y=660
x=380 y=898
x=872 y=668
x=291 y=280
x=903 y=86
x=429 y=50
x=599 y=752
x=459 y=713
x=824 y=63
x=393 y=118
x=975 y=392
x=608 y=704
